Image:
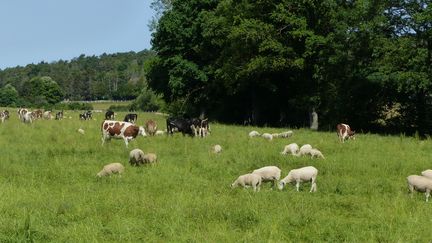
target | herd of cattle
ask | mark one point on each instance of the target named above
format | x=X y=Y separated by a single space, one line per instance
x=28 y=116
x=128 y=130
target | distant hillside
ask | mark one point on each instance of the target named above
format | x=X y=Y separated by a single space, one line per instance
x=117 y=76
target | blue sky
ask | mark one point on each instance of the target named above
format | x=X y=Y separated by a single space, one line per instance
x=32 y=31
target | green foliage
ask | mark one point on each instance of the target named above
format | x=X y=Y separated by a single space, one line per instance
x=108 y=76
x=50 y=192
x=274 y=61
x=41 y=91
x=119 y=108
x=9 y=96
x=147 y=101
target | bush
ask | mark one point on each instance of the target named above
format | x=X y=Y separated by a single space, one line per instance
x=120 y=108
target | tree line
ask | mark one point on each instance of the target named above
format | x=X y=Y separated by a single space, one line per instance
x=117 y=76
x=366 y=62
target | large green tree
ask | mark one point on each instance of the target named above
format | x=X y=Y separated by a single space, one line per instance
x=41 y=91
x=9 y=96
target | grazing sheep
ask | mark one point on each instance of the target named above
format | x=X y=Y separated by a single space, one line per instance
x=268 y=173
x=136 y=157
x=81 y=131
x=159 y=132
x=427 y=173
x=292 y=148
x=304 y=150
x=47 y=115
x=109 y=169
x=286 y=134
x=217 y=149
x=254 y=134
x=150 y=158
x=246 y=180
x=275 y=135
x=308 y=173
x=316 y=153
x=267 y=136
x=420 y=184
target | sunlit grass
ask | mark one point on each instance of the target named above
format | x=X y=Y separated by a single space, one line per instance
x=49 y=190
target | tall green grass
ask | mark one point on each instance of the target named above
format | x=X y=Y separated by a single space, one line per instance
x=49 y=190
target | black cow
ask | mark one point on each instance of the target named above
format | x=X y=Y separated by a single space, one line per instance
x=185 y=126
x=109 y=115
x=131 y=117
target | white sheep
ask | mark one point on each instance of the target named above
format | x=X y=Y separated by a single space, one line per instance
x=420 y=184
x=81 y=131
x=427 y=173
x=292 y=148
x=109 y=169
x=315 y=153
x=159 y=132
x=246 y=180
x=286 y=134
x=269 y=173
x=254 y=134
x=275 y=135
x=267 y=136
x=150 y=158
x=305 y=150
x=136 y=157
x=217 y=149
x=308 y=173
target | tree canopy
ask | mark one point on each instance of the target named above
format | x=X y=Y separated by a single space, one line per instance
x=367 y=63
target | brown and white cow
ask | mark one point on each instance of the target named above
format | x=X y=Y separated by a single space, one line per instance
x=119 y=129
x=344 y=132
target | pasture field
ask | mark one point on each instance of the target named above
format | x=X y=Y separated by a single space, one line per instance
x=49 y=191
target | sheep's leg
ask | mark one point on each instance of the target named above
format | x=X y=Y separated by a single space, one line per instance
x=427 y=195
x=313 y=187
x=297 y=185
x=411 y=189
x=126 y=142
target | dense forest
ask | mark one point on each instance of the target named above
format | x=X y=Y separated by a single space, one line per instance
x=366 y=62
x=108 y=76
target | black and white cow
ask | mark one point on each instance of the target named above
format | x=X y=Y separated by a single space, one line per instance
x=131 y=117
x=86 y=115
x=59 y=115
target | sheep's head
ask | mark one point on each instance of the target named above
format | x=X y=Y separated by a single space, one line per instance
x=234 y=184
x=281 y=185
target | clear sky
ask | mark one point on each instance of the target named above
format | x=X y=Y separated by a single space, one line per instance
x=32 y=31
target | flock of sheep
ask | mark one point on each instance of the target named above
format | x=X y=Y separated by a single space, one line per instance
x=420 y=183
x=136 y=158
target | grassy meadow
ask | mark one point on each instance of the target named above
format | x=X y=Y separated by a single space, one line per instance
x=49 y=191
